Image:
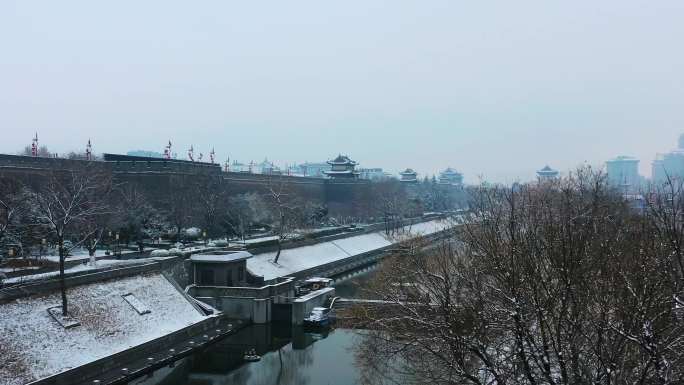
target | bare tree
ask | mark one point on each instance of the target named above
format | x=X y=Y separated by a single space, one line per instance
x=241 y=213
x=212 y=201
x=665 y=205
x=182 y=201
x=43 y=152
x=137 y=219
x=286 y=210
x=12 y=208
x=389 y=202
x=438 y=197
x=66 y=203
x=554 y=283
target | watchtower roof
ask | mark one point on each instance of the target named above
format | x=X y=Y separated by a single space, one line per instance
x=342 y=160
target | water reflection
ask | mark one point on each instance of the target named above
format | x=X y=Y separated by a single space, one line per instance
x=288 y=356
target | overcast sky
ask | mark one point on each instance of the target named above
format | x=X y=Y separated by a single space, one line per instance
x=492 y=88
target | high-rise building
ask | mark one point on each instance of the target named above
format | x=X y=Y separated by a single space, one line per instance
x=623 y=173
x=670 y=164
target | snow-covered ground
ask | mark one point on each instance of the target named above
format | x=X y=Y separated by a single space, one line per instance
x=79 y=254
x=301 y=258
x=21 y=268
x=259 y=239
x=33 y=345
x=102 y=261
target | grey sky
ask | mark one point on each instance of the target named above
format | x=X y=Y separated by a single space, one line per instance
x=493 y=88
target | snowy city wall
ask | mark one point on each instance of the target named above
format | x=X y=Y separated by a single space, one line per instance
x=159 y=178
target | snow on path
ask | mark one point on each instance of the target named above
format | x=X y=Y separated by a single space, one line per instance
x=101 y=263
x=31 y=338
x=306 y=257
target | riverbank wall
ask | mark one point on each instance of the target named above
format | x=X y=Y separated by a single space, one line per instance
x=127 y=365
x=328 y=257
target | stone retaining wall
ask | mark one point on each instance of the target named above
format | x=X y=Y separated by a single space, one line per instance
x=121 y=359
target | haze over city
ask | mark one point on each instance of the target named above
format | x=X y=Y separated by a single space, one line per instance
x=497 y=89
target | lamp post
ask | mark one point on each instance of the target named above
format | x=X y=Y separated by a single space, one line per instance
x=117 y=250
x=204 y=234
x=109 y=242
x=43 y=242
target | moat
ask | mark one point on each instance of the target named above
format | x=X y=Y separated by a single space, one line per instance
x=289 y=355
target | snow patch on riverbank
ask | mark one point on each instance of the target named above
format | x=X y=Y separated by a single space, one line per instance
x=33 y=342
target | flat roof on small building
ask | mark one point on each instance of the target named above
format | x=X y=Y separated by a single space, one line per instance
x=221 y=258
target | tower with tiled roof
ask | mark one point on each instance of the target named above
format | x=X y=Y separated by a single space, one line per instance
x=408 y=176
x=342 y=167
x=547 y=173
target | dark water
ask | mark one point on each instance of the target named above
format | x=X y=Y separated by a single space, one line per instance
x=289 y=355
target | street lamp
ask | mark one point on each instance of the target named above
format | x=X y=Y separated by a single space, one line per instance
x=204 y=234
x=43 y=242
x=117 y=250
x=109 y=242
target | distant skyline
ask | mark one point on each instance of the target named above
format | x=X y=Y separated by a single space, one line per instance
x=495 y=89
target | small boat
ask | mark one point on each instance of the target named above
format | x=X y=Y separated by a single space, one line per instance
x=251 y=356
x=319 y=316
x=312 y=284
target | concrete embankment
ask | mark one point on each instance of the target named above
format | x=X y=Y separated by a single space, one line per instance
x=333 y=256
x=125 y=366
x=120 y=318
x=274 y=299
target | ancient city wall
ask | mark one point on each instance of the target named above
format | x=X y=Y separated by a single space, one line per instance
x=161 y=178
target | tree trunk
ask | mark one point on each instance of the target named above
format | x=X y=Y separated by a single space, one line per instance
x=62 y=283
x=91 y=254
x=280 y=248
x=281 y=236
